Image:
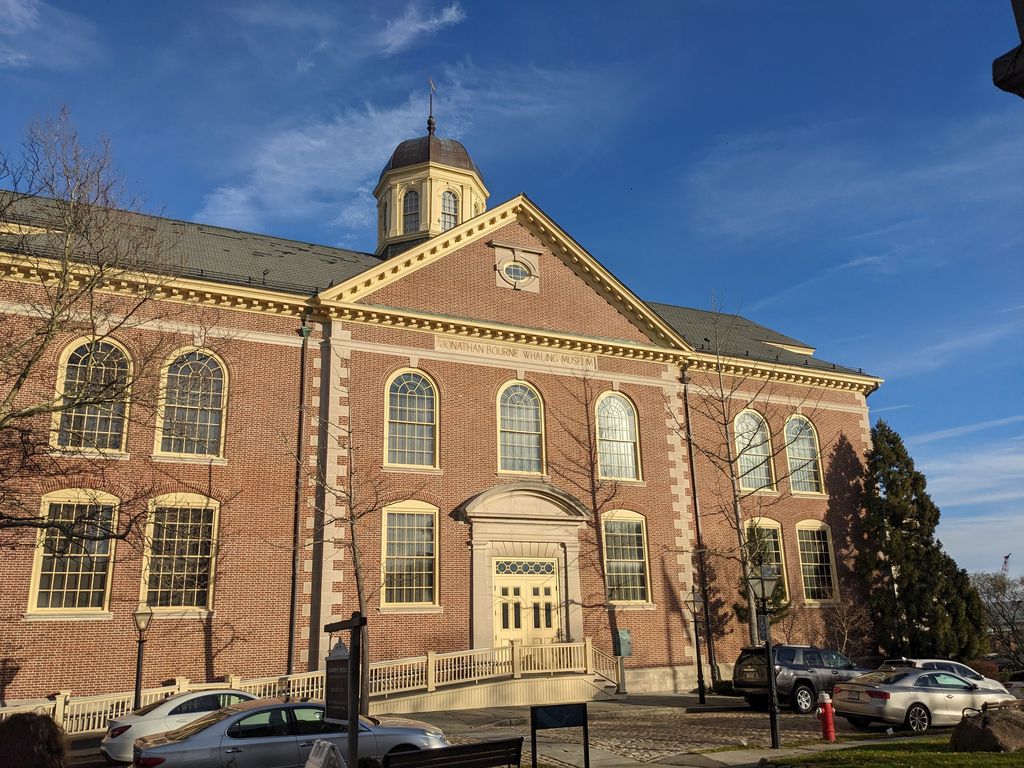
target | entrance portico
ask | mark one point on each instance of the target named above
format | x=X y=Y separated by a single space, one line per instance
x=525 y=567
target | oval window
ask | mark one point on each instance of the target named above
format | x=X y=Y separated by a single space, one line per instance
x=516 y=271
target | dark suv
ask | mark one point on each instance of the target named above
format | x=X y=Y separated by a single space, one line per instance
x=801 y=671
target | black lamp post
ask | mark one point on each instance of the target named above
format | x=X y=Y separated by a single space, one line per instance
x=142 y=616
x=695 y=602
x=762 y=580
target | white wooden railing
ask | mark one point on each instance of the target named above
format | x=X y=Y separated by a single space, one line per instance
x=89 y=714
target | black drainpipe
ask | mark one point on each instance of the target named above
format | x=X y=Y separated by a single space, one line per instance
x=701 y=563
x=304 y=331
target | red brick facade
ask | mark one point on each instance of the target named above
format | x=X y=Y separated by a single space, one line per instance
x=341 y=458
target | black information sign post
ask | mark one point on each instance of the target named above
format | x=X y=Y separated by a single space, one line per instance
x=341 y=688
x=559 y=716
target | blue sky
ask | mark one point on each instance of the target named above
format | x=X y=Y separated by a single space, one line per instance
x=843 y=172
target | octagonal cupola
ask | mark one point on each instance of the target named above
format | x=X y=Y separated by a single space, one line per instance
x=429 y=185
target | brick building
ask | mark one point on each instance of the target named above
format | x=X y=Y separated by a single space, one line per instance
x=495 y=421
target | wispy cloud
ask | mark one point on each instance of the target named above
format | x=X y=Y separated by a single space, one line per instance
x=36 y=34
x=983 y=474
x=931 y=357
x=876 y=411
x=965 y=429
x=401 y=32
x=325 y=170
x=979 y=542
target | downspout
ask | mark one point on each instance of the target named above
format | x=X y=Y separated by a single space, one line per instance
x=304 y=331
x=702 y=570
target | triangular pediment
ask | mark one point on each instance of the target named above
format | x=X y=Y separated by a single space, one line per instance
x=453 y=275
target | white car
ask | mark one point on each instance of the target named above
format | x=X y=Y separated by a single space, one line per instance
x=1016 y=684
x=164 y=715
x=945 y=665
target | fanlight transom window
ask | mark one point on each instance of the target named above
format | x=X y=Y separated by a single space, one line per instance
x=449 y=211
x=95 y=398
x=753 y=452
x=616 y=438
x=521 y=443
x=193 y=405
x=412 y=421
x=802 y=453
x=411 y=211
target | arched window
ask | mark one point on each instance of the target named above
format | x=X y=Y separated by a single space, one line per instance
x=410 y=546
x=193 y=405
x=385 y=219
x=94 y=397
x=449 y=210
x=618 y=456
x=753 y=452
x=76 y=551
x=521 y=429
x=764 y=547
x=412 y=421
x=802 y=454
x=411 y=212
x=625 y=554
x=817 y=561
x=180 y=551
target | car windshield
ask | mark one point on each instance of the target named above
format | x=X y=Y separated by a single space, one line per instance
x=880 y=677
x=198 y=725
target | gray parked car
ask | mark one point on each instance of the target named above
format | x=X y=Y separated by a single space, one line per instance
x=912 y=697
x=801 y=672
x=275 y=733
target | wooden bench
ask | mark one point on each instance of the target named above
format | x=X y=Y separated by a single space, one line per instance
x=486 y=754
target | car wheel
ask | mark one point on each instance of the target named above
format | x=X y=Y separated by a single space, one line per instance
x=860 y=723
x=803 y=699
x=918 y=718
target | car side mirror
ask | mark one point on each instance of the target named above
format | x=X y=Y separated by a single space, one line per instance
x=974 y=686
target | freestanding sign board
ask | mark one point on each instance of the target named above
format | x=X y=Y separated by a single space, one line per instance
x=349 y=662
x=336 y=685
x=559 y=716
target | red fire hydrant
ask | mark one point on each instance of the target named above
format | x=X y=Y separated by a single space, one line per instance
x=826 y=714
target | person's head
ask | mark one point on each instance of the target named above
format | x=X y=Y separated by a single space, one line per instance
x=31 y=740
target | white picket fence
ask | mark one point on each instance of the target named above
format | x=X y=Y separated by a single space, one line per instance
x=89 y=714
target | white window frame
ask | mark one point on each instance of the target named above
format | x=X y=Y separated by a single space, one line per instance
x=415 y=507
x=162 y=410
x=741 y=450
x=81 y=496
x=625 y=515
x=454 y=213
x=818 y=525
x=62 y=376
x=435 y=423
x=406 y=213
x=543 y=436
x=631 y=408
x=178 y=501
x=767 y=523
x=816 y=461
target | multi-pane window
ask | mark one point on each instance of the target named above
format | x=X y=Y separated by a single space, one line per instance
x=764 y=547
x=409 y=555
x=193 y=405
x=449 y=211
x=753 y=452
x=802 y=454
x=180 y=569
x=412 y=419
x=521 y=428
x=816 y=561
x=616 y=438
x=94 y=398
x=411 y=212
x=74 y=564
x=625 y=548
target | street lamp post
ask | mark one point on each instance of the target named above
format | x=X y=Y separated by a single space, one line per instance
x=142 y=616
x=762 y=582
x=695 y=602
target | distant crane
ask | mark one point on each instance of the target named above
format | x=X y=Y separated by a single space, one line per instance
x=1005 y=570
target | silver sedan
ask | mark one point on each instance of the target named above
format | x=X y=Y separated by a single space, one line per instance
x=275 y=733
x=915 y=698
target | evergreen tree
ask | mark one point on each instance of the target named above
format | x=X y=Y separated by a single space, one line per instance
x=921 y=603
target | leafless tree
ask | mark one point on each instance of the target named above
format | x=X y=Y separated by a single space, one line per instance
x=1003 y=599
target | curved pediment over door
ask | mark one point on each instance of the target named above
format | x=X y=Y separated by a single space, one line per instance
x=525 y=500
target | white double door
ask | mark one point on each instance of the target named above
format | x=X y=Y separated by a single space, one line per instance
x=526 y=608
